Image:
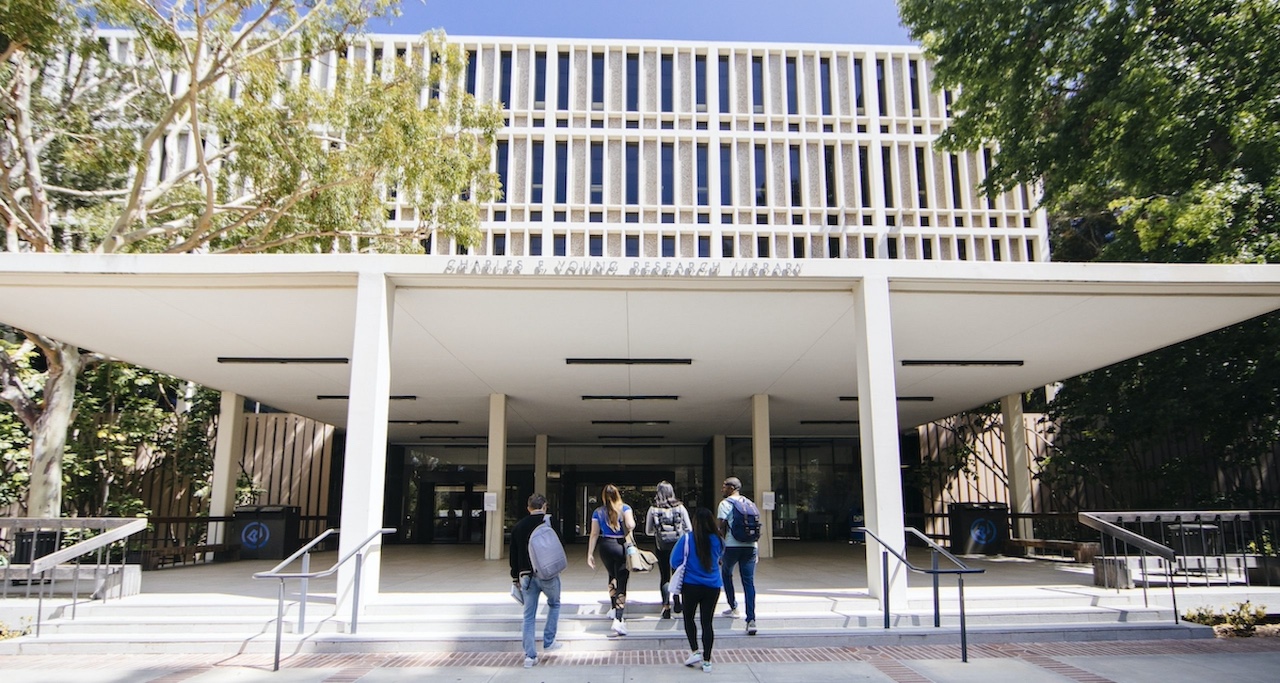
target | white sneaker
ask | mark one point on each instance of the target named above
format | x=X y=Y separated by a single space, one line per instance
x=530 y=662
x=553 y=646
x=732 y=612
x=751 y=628
x=706 y=667
x=620 y=627
x=693 y=659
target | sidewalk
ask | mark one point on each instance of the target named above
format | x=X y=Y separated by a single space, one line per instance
x=1252 y=659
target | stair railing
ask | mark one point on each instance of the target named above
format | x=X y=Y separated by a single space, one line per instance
x=933 y=570
x=1125 y=538
x=277 y=572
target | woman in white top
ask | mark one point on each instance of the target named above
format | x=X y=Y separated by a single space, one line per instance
x=666 y=522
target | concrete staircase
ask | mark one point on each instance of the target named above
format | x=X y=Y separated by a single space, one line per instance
x=489 y=622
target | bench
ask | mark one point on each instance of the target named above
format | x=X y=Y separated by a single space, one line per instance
x=155 y=558
x=1082 y=552
x=100 y=581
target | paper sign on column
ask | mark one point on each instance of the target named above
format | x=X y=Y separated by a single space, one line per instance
x=490 y=501
x=766 y=502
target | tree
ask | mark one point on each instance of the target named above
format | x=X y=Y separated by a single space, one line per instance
x=255 y=126
x=1153 y=128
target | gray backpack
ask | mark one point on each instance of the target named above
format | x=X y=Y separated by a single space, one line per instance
x=669 y=527
x=546 y=553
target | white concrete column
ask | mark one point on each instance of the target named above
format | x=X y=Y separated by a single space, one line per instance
x=719 y=469
x=364 y=466
x=761 y=465
x=540 y=464
x=497 y=475
x=228 y=449
x=1017 y=462
x=878 y=427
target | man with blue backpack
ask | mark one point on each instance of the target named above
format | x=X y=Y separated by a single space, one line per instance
x=739 y=521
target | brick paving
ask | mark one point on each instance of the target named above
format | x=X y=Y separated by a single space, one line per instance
x=892 y=661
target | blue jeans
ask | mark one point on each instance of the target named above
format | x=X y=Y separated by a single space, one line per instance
x=745 y=558
x=533 y=587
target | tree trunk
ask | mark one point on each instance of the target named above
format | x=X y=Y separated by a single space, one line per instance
x=49 y=437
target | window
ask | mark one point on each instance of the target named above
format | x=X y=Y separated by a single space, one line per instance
x=504 y=82
x=726 y=246
x=535 y=245
x=668 y=173
x=597 y=81
x=858 y=99
x=562 y=83
x=797 y=195
x=595 y=245
x=956 y=197
x=597 y=173
x=986 y=173
x=703 y=192
x=833 y=247
x=922 y=186
x=829 y=172
x=726 y=175
x=757 y=85
x=824 y=84
x=793 y=88
x=633 y=172
x=558 y=244
x=471 y=72
x=880 y=88
x=797 y=246
x=724 y=84
x=762 y=193
x=762 y=246
x=535 y=173
x=913 y=70
x=633 y=246
x=886 y=170
x=669 y=246
x=499 y=245
x=502 y=152
x=562 y=172
x=704 y=246
x=668 y=83
x=540 y=80
x=633 y=82
x=864 y=170
x=700 y=82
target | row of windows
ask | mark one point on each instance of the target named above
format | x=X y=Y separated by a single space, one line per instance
x=808 y=82
x=634 y=245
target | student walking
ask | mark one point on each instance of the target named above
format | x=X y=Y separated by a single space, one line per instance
x=666 y=522
x=700 y=552
x=530 y=586
x=611 y=523
x=739 y=523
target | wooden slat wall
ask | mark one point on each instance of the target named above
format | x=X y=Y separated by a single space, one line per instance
x=290 y=459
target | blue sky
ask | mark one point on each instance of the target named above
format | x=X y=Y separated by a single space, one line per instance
x=870 y=22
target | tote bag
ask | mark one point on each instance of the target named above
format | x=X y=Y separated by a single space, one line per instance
x=677 y=576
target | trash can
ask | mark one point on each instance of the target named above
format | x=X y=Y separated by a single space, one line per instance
x=1194 y=539
x=29 y=545
x=267 y=532
x=978 y=528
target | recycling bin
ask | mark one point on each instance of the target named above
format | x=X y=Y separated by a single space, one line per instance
x=267 y=532
x=29 y=545
x=1194 y=539
x=978 y=528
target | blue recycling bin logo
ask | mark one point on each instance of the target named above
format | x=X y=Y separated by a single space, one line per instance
x=255 y=536
x=983 y=531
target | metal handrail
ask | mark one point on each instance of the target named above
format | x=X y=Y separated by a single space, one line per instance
x=306 y=575
x=933 y=571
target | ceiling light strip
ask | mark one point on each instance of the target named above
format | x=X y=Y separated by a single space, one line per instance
x=345 y=397
x=960 y=363
x=900 y=398
x=622 y=397
x=628 y=361
x=282 y=360
x=422 y=422
x=631 y=422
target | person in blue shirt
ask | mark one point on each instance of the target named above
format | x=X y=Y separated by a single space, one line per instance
x=702 y=550
x=611 y=523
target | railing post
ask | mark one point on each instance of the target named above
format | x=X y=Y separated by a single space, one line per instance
x=884 y=584
x=302 y=602
x=355 y=594
x=279 y=624
x=964 y=634
x=937 y=608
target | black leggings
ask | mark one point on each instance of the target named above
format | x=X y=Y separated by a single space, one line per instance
x=664 y=571
x=704 y=599
x=613 y=554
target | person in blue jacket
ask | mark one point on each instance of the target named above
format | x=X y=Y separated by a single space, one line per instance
x=702 y=550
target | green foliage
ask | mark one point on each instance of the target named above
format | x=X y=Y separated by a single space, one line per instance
x=6 y=632
x=1242 y=620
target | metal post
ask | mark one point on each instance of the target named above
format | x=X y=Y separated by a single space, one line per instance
x=964 y=634
x=937 y=609
x=884 y=584
x=279 y=624
x=302 y=602
x=355 y=594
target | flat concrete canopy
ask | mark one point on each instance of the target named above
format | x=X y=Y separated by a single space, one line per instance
x=467 y=327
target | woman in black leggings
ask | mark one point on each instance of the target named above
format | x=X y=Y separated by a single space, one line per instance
x=666 y=522
x=700 y=551
x=610 y=525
